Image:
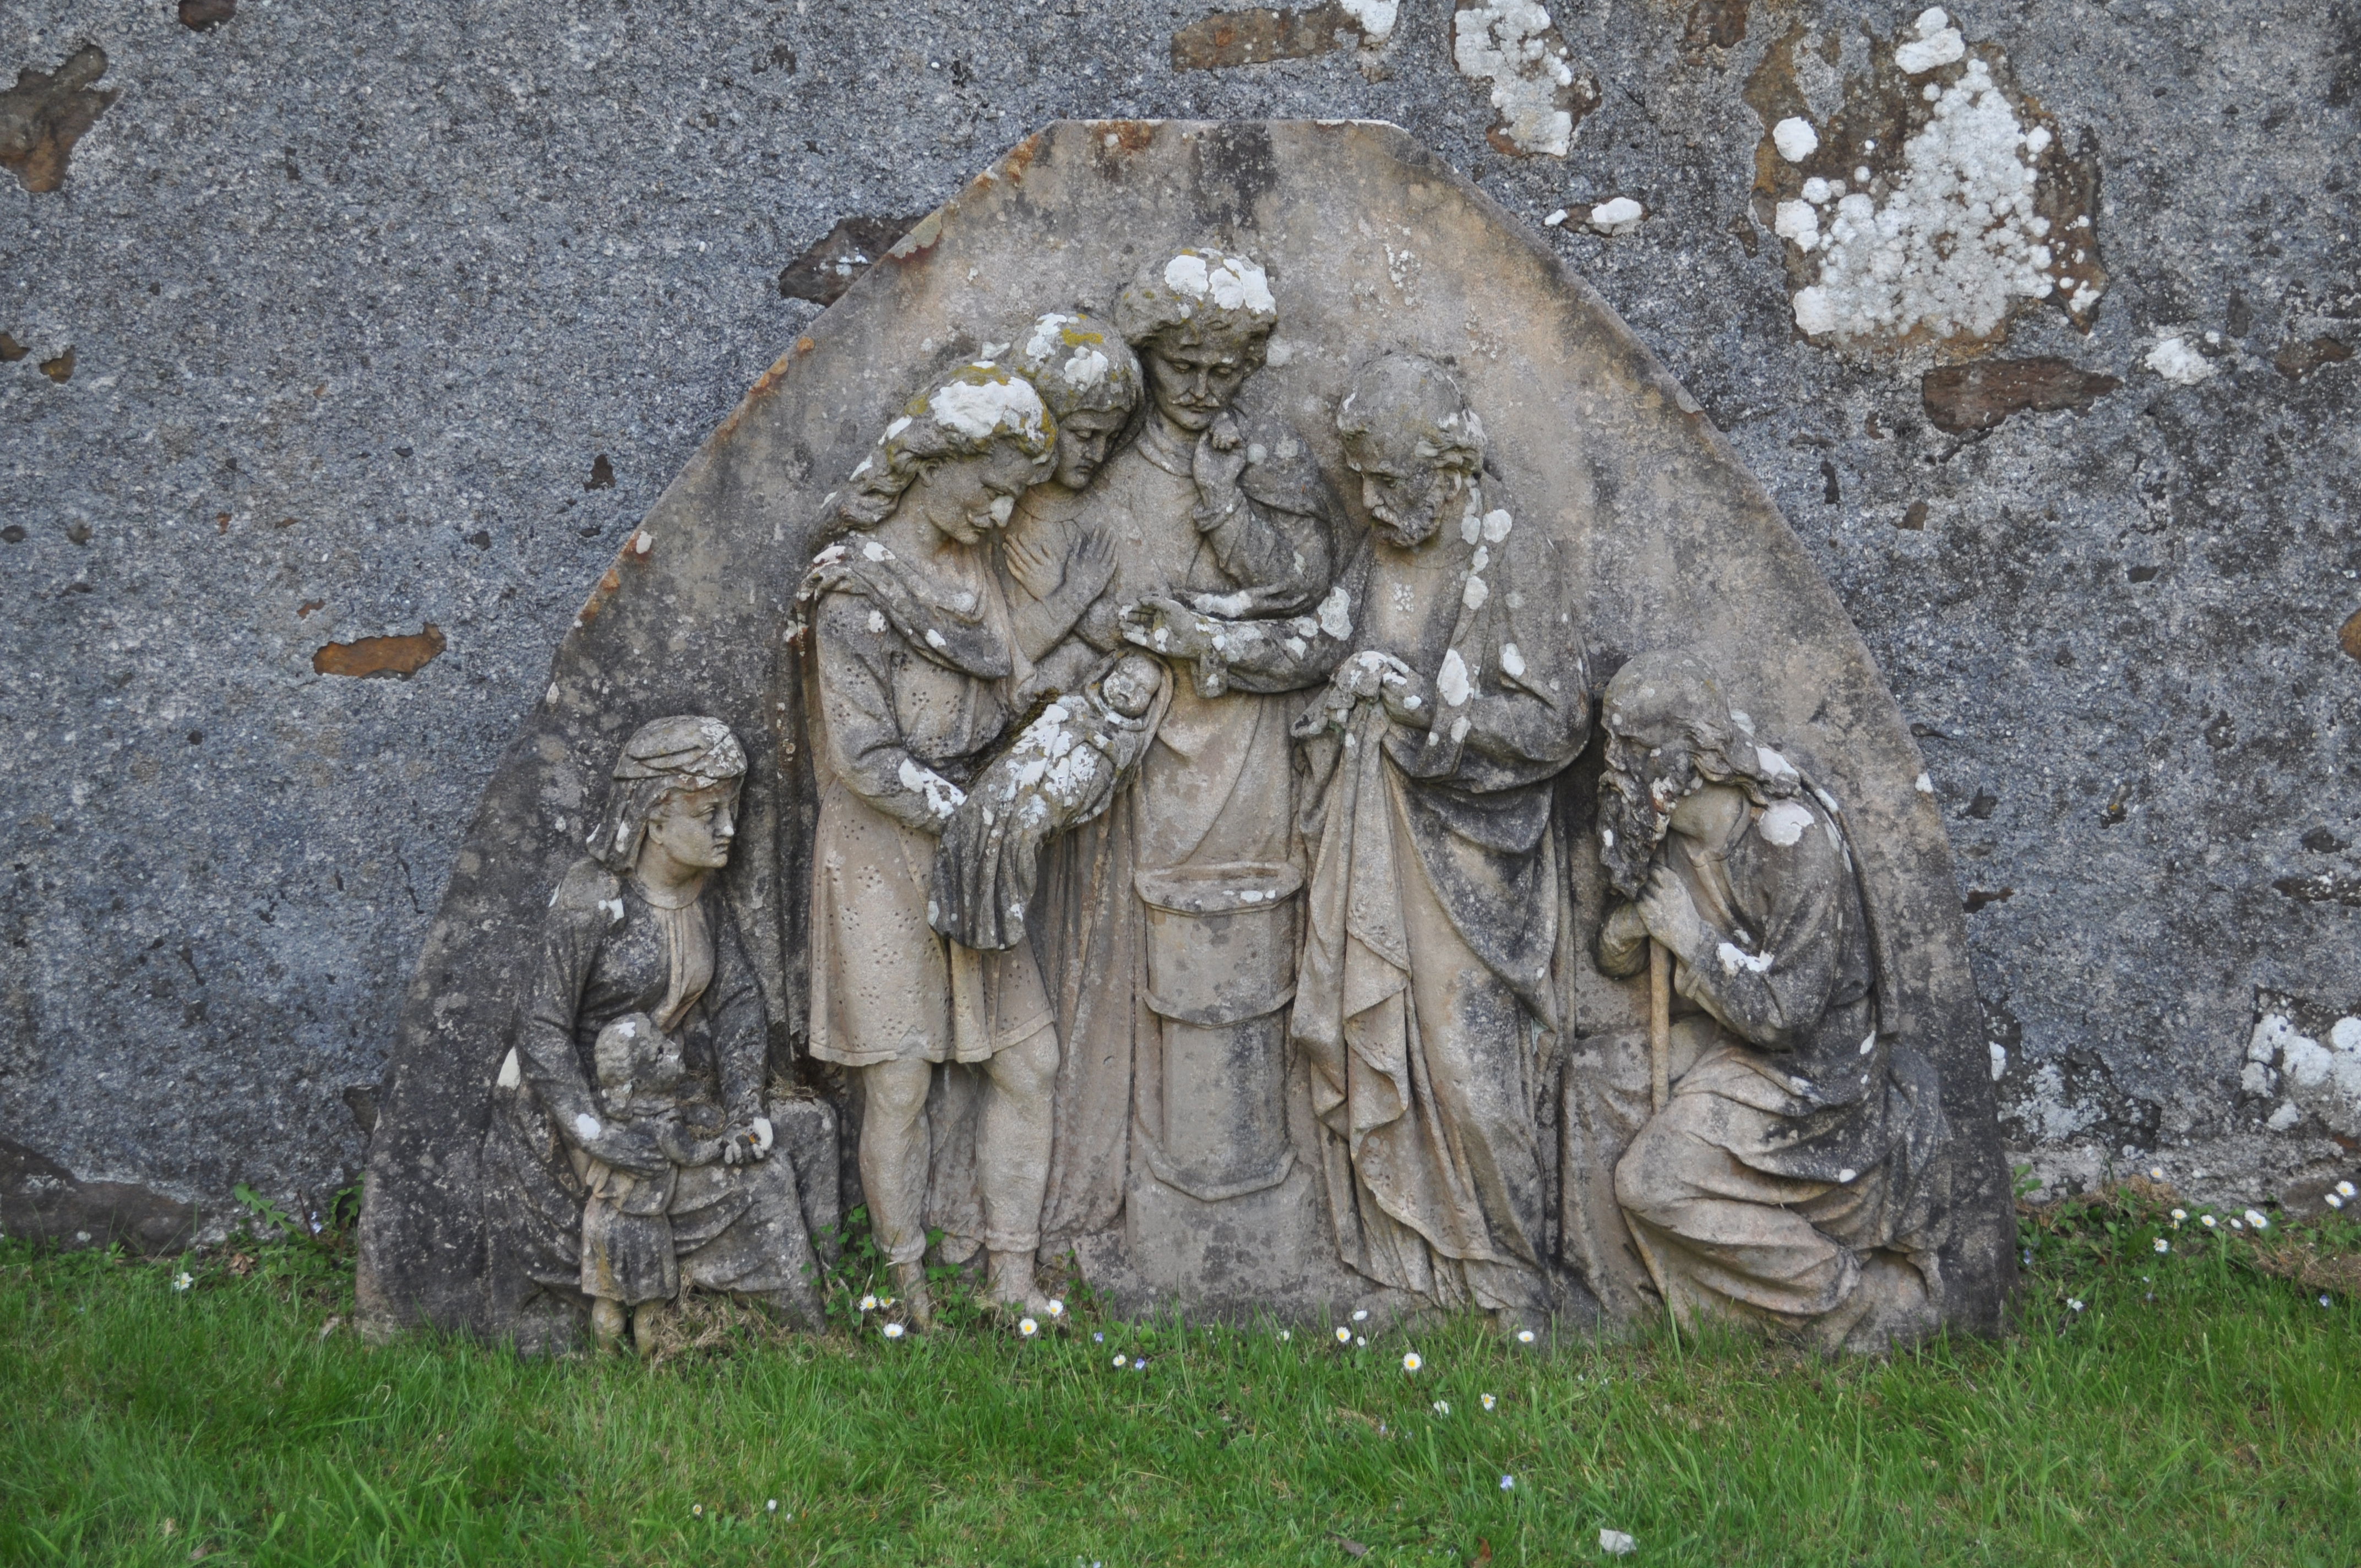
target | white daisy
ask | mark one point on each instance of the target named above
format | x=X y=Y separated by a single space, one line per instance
x=1524 y=1336
x=1057 y=1308
x=183 y=1280
x=696 y=1510
x=1344 y=1335
x=1361 y=1315
x=1442 y=1407
x=1490 y=1401
x=2206 y=1220
x=1118 y=1360
x=1361 y=1341
x=1412 y=1363
x=1027 y=1327
x=2163 y=1246
x=893 y=1331
x=2334 y=1202
x=2257 y=1219
x=2345 y=1189
x=868 y=1303
x=2075 y=1303
x=1284 y=1334
x=771 y=1507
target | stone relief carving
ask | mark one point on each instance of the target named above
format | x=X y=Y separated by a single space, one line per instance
x=627 y=1156
x=1184 y=844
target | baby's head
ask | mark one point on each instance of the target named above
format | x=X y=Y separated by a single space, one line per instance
x=1129 y=686
x=630 y=1053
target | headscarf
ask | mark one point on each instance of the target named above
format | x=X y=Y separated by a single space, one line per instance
x=663 y=757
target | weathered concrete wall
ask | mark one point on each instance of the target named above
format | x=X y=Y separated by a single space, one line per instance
x=384 y=319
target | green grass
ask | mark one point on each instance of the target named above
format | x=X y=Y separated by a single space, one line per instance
x=2195 y=1411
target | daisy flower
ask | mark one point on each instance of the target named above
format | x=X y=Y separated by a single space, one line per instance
x=1490 y=1401
x=1412 y=1361
x=893 y=1331
x=2156 y=1173
x=183 y=1280
x=771 y=1507
x=1524 y=1336
x=696 y=1510
x=2075 y=1303
x=1344 y=1335
x=1285 y=1335
x=868 y=1303
x=2334 y=1202
x=1118 y=1360
x=1361 y=1314
x=1361 y=1341
x=2179 y=1215
x=2345 y=1189
x=1027 y=1327
x=2163 y=1246
x=1442 y=1407
x=2206 y=1220
x=1057 y=1308
x=2257 y=1219
x=2237 y=1224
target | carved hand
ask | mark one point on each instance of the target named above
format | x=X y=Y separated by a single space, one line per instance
x=1030 y=563
x=683 y=1150
x=636 y=1146
x=1168 y=627
x=742 y=1145
x=1089 y=567
x=1220 y=458
x=1670 y=918
x=1409 y=701
x=1623 y=941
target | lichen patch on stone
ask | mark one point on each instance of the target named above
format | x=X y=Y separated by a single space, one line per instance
x=1931 y=205
x=1514 y=48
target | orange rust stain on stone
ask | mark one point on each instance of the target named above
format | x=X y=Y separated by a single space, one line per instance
x=308 y=606
x=605 y=590
x=2348 y=636
x=401 y=657
x=1020 y=158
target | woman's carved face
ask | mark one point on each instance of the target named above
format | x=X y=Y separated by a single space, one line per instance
x=1082 y=438
x=968 y=497
x=695 y=826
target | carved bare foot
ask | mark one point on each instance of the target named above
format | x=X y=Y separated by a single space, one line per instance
x=607 y=1323
x=647 y=1326
x=1014 y=1292
x=917 y=1303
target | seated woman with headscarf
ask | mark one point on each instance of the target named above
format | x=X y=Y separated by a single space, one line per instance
x=913 y=667
x=630 y=1192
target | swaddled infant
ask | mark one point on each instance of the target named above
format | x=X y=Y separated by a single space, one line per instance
x=1059 y=773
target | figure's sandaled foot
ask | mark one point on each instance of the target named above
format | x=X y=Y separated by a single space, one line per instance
x=608 y=1322
x=912 y=1299
x=1014 y=1292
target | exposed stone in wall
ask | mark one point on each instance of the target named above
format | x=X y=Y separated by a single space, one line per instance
x=47 y=111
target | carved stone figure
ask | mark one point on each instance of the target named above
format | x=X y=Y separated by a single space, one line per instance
x=629 y=1153
x=1797 y=1176
x=913 y=666
x=1428 y=1001
x=1163 y=995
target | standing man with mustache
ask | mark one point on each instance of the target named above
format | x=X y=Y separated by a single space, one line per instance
x=1221 y=526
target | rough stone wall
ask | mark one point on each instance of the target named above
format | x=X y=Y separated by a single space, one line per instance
x=355 y=340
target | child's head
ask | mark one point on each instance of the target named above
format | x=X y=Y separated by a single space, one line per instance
x=1129 y=684
x=630 y=1051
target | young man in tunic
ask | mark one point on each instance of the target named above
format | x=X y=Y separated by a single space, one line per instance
x=1428 y=998
x=1796 y=1177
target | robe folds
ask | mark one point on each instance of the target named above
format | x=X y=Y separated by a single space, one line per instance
x=1796 y=1175
x=1427 y=1004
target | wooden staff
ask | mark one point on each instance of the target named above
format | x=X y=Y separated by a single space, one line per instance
x=1660 y=1025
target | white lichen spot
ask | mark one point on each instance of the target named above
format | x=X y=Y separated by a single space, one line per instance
x=612 y=908
x=1496 y=525
x=935 y=640
x=1459 y=730
x=1924 y=785
x=1336 y=614
x=1868 y=1044
x=1471 y=523
x=1776 y=766
x=2177 y=362
x=1296 y=646
x=1232 y=606
x=876 y=621
x=1231 y=283
x=1734 y=957
x=1999 y=1058
x=2345 y=1035
x=1377 y=18
x=1511 y=660
x=1846 y=1175
x=1451 y=681
x=1794 y=139
x=1483 y=559
x=1937 y=43
x=1510 y=45
x=1745 y=721
x=1620 y=215
x=941 y=796
x=512 y=1071
x=587 y=1126
x=873 y=551
x=1784 y=823
x=1473 y=595
x=1557 y=216
x=1956 y=240
x=988 y=406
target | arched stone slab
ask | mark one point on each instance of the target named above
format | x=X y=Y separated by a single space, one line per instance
x=1371 y=243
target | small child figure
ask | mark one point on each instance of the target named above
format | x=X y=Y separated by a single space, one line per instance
x=627 y=1244
x=1058 y=774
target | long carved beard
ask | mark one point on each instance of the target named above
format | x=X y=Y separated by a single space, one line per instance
x=1633 y=820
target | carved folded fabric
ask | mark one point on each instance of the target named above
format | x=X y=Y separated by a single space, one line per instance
x=1059 y=773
